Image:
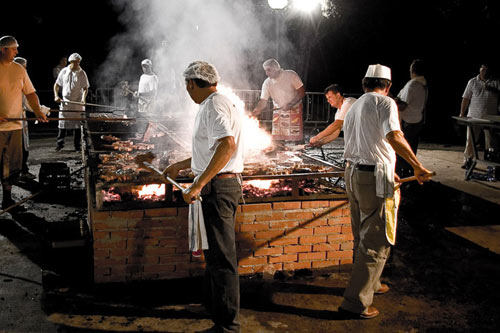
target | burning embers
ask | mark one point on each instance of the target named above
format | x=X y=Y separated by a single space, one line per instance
x=287 y=187
x=148 y=192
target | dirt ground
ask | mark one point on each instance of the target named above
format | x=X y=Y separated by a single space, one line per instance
x=439 y=282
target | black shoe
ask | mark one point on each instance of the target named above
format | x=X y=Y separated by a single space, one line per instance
x=26 y=176
x=467 y=164
x=59 y=148
x=8 y=203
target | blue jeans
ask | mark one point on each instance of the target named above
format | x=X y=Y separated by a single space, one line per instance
x=222 y=285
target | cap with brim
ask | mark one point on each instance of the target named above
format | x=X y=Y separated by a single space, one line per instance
x=74 y=57
x=146 y=62
x=378 y=71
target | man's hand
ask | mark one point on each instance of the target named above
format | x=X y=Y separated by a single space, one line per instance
x=3 y=120
x=191 y=193
x=315 y=141
x=422 y=174
x=57 y=99
x=256 y=112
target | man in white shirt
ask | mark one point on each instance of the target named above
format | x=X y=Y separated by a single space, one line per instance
x=411 y=102
x=372 y=138
x=148 y=87
x=217 y=162
x=287 y=91
x=73 y=82
x=480 y=98
x=14 y=83
x=335 y=97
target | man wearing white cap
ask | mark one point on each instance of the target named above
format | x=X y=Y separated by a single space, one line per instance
x=372 y=137
x=73 y=82
x=14 y=83
x=148 y=87
x=217 y=162
x=287 y=91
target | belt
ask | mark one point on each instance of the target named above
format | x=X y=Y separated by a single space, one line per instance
x=226 y=175
x=363 y=167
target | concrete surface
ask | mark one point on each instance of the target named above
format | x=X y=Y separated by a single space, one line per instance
x=439 y=282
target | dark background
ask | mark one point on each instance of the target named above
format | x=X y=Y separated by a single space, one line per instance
x=453 y=37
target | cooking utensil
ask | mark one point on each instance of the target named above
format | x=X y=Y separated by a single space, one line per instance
x=92 y=104
x=74 y=119
x=412 y=178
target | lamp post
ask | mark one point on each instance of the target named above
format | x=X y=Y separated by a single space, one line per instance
x=278 y=6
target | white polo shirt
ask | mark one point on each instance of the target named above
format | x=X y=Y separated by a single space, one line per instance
x=217 y=118
x=482 y=100
x=414 y=94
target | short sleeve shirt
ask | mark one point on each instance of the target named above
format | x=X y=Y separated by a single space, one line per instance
x=482 y=100
x=414 y=94
x=14 y=83
x=281 y=89
x=346 y=105
x=217 y=118
x=73 y=83
x=366 y=125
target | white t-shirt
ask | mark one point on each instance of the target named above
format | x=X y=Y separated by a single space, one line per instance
x=482 y=100
x=414 y=94
x=73 y=84
x=366 y=124
x=281 y=89
x=148 y=83
x=217 y=118
x=346 y=105
x=14 y=82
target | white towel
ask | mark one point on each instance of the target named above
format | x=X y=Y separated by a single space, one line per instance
x=197 y=232
x=384 y=180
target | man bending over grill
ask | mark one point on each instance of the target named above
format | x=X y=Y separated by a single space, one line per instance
x=14 y=83
x=217 y=162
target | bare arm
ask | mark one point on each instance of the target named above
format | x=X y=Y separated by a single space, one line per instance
x=84 y=95
x=464 y=106
x=300 y=93
x=260 y=106
x=173 y=169
x=34 y=102
x=398 y=142
x=57 y=99
x=223 y=153
x=328 y=134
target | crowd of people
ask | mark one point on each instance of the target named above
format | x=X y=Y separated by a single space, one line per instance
x=381 y=136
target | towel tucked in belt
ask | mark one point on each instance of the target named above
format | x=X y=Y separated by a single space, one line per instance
x=196 y=228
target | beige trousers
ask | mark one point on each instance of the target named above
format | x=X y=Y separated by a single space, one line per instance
x=370 y=243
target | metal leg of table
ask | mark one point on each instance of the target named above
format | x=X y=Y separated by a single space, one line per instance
x=475 y=156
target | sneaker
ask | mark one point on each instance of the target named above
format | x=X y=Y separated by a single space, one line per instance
x=59 y=148
x=27 y=176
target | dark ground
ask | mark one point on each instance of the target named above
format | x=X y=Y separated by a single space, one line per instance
x=439 y=282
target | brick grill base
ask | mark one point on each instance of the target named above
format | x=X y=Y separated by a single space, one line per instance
x=152 y=244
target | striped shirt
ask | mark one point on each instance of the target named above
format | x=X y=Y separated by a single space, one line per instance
x=483 y=101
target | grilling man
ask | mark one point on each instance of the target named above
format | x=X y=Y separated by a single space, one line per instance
x=217 y=162
x=14 y=83
x=373 y=136
x=287 y=91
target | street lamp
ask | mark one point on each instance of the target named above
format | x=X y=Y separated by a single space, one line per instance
x=277 y=4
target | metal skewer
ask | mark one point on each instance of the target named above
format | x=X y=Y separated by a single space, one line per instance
x=92 y=104
x=73 y=119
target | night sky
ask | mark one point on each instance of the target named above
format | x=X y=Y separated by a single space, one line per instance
x=453 y=37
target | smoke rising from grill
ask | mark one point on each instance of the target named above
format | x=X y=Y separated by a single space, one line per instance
x=229 y=34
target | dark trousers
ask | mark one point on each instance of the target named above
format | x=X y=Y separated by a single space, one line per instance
x=221 y=283
x=412 y=135
x=61 y=134
x=26 y=153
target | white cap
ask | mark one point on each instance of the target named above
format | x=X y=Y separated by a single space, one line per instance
x=273 y=63
x=379 y=71
x=202 y=70
x=75 y=56
x=147 y=62
x=8 y=41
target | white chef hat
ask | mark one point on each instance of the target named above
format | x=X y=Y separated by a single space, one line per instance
x=147 y=62
x=202 y=70
x=8 y=41
x=273 y=63
x=74 y=57
x=378 y=71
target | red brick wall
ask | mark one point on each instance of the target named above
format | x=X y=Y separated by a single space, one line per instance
x=153 y=244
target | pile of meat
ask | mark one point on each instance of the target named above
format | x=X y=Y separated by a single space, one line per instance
x=283 y=187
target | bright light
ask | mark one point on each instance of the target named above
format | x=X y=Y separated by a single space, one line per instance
x=277 y=4
x=306 y=5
